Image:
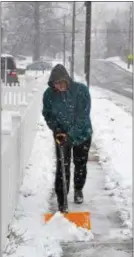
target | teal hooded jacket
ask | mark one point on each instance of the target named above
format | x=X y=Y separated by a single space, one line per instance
x=69 y=111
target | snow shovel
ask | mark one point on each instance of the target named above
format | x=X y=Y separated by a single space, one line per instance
x=80 y=219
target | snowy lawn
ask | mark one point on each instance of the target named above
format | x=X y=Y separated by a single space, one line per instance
x=113 y=138
x=117 y=60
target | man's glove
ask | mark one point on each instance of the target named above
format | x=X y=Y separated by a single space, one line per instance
x=61 y=138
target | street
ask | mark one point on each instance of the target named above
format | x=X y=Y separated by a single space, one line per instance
x=109 y=76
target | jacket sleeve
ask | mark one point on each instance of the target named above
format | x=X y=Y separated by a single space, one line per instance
x=82 y=113
x=47 y=112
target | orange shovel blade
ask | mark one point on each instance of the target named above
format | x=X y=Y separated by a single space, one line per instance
x=81 y=219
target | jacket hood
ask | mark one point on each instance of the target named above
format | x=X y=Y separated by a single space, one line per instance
x=59 y=72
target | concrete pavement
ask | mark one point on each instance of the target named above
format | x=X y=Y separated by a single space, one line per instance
x=106 y=224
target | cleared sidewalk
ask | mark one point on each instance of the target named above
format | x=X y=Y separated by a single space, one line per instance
x=107 y=229
x=109 y=235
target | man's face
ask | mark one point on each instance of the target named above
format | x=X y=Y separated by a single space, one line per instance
x=60 y=85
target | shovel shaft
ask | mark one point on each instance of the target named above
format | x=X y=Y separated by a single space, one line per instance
x=61 y=148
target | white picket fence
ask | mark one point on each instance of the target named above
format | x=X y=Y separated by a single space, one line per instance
x=13 y=96
x=16 y=149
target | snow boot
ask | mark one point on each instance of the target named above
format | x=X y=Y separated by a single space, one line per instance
x=62 y=209
x=78 y=196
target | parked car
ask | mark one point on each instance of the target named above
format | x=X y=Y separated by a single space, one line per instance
x=9 y=70
x=39 y=66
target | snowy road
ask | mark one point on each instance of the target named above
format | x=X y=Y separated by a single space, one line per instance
x=109 y=76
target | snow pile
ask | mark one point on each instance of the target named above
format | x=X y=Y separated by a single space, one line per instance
x=113 y=138
x=28 y=234
x=6 y=119
x=119 y=100
x=68 y=231
x=6 y=123
x=118 y=61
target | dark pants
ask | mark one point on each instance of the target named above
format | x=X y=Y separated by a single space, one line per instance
x=80 y=157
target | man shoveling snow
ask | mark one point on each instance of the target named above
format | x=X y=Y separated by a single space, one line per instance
x=66 y=109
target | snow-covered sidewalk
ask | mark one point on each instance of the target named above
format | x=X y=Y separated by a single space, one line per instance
x=117 y=60
x=6 y=120
x=28 y=235
x=121 y=101
x=113 y=139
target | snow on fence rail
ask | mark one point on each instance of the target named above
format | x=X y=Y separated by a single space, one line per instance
x=16 y=148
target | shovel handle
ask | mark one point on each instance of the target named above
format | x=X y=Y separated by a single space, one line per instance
x=61 y=148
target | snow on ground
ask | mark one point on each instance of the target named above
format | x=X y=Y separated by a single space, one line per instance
x=6 y=120
x=28 y=234
x=118 y=61
x=124 y=102
x=113 y=138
